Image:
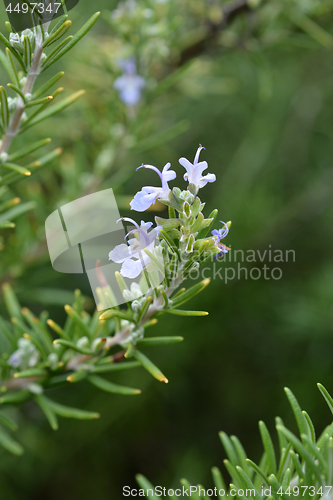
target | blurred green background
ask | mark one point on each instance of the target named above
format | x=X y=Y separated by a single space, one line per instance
x=262 y=105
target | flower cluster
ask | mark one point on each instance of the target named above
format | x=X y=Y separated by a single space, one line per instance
x=26 y=356
x=179 y=244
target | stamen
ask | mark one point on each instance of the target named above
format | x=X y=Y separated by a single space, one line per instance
x=197 y=154
x=151 y=167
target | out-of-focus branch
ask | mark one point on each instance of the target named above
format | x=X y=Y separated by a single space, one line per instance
x=229 y=13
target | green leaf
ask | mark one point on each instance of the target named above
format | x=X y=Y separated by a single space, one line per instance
x=311 y=429
x=241 y=456
x=9 y=204
x=27 y=54
x=269 y=448
x=16 y=168
x=8 y=333
x=7 y=225
x=200 y=223
x=15 y=397
x=12 y=50
x=286 y=480
x=16 y=78
x=190 y=292
x=229 y=448
x=301 y=450
x=327 y=396
x=218 y=481
x=121 y=282
x=275 y=485
x=39 y=331
x=115 y=313
x=259 y=471
x=167 y=224
x=30 y=372
x=107 y=386
x=149 y=366
x=53 y=110
x=26 y=124
x=313 y=449
x=330 y=461
x=11 y=301
x=17 y=90
x=233 y=473
x=203 y=233
x=9 y=444
x=4 y=107
x=76 y=38
x=56 y=328
x=180 y=312
x=7 y=66
x=155 y=260
x=57 y=34
x=43 y=402
x=144 y=308
x=10 y=424
x=72 y=345
x=77 y=376
x=48 y=61
x=45 y=160
x=111 y=366
x=31 y=148
x=284 y=457
x=78 y=320
x=296 y=463
x=283 y=443
x=187 y=485
x=37 y=102
x=44 y=88
x=300 y=419
x=247 y=481
x=145 y=485
x=68 y=412
x=160 y=340
x=170 y=243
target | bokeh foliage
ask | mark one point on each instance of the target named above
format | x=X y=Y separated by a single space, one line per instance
x=258 y=97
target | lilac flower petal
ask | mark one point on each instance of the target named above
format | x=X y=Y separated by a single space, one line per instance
x=143 y=200
x=119 y=253
x=186 y=164
x=210 y=177
x=168 y=175
x=194 y=170
x=131 y=268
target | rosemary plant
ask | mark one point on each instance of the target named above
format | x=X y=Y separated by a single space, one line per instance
x=302 y=469
x=33 y=361
x=27 y=56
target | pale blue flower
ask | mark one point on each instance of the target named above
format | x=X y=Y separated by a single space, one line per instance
x=130 y=84
x=17 y=41
x=149 y=194
x=219 y=234
x=132 y=255
x=194 y=170
x=133 y=293
x=26 y=356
